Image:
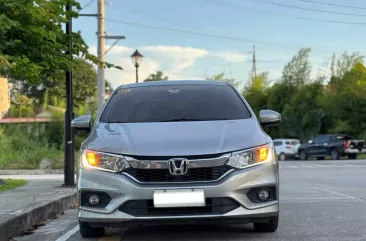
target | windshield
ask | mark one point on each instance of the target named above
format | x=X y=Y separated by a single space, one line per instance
x=167 y=103
x=293 y=142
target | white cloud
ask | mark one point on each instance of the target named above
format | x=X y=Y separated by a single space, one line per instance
x=172 y=60
x=181 y=57
x=176 y=52
x=231 y=57
x=114 y=51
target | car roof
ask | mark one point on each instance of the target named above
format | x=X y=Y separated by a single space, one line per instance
x=173 y=82
x=333 y=135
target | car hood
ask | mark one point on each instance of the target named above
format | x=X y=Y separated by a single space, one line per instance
x=175 y=138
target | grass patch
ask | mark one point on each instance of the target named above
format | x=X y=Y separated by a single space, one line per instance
x=362 y=156
x=11 y=184
x=31 y=158
x=25 y=146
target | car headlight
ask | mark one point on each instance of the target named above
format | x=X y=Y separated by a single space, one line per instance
x=103 y=161
x=255 y=156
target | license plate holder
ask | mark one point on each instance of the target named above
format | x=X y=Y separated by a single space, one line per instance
x=174 y=198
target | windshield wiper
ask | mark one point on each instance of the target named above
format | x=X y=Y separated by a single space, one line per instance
x=187 y=119
x=182 y=119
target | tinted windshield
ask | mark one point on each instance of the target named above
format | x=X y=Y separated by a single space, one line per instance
x=292 y=142
x=175 y=103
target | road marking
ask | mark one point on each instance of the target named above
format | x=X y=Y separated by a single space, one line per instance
x=317 y=165
x=69 y=234
x=314 y=198
x=331 y=191
x=307 y=166
x=324 y=166
x=339 y=193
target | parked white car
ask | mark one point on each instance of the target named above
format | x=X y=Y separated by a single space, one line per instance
x=286 y=148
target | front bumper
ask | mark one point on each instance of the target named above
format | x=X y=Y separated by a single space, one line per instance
x=235 y=186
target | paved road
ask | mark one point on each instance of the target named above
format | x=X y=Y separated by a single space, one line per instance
x=320 y=200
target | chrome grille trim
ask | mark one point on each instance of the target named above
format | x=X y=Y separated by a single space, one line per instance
x=192 y=163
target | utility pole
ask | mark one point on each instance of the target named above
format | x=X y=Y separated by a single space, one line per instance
x=69 y=175
x=254 y=65
x=101 y=53
x=69 y=169
x=101 y=50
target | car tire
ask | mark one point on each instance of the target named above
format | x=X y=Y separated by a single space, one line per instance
x=334 y=154
x=303 y=155
x=320 y=158
x=282 y=157
x=352 y=156
x=268 y=227
x=87 y=231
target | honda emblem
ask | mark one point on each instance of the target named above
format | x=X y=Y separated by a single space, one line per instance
x=178 y=166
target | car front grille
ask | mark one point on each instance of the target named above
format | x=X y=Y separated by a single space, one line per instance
x=193 y=174
x=146 y=207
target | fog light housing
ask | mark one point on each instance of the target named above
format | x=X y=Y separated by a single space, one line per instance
x=263 y=195
x=93 y=199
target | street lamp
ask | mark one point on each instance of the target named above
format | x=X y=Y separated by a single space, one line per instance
x=136 y=60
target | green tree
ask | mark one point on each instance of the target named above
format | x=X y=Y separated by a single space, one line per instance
x=159 y=75
x=84 y=86
x=298 y=99
x=21 y=106
x=303 y=115
x=297 y=71
x=108 y=87
x=343 y=64
x=347 y=104
x=256 y=92
x=221 y=77
x=33 y=42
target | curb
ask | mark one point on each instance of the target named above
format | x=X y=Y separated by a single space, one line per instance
x=32 y=171
x=15 y=223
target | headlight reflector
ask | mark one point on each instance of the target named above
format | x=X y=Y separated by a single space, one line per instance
x=103 y=161
x=249 y=157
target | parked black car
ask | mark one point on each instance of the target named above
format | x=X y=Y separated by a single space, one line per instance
x=333 y=145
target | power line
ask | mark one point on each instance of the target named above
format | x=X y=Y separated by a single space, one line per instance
x=235 y=6
x=210 y=35
x=312 y=9
x=332 y=4
x=87 y=5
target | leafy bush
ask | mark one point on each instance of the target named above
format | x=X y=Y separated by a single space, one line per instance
x=23 y=147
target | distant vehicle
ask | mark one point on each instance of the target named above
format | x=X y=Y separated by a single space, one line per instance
x=333 y=145
x=286 y=148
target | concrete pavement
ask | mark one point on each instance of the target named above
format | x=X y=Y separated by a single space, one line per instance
x=38 y=188
x=320 y=200
x=38 y=200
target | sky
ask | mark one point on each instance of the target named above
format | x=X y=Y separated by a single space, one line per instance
x=196 y=39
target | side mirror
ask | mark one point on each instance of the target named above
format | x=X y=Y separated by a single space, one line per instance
x=269 y=118
x=310 y=142
x=81 y=123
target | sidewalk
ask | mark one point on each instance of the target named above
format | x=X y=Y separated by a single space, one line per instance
x=42 y=197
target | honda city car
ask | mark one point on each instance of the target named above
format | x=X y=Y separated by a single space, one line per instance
x=177 y=151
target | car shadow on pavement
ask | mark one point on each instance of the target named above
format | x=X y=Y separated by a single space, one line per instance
x=192 y=232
